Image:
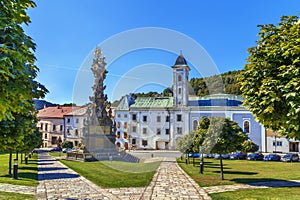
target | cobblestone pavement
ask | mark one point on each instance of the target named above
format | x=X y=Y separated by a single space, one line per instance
x=56 y=181
x=171 y=182
x=17 y=188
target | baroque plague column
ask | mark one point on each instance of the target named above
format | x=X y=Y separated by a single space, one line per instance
x=99 y=135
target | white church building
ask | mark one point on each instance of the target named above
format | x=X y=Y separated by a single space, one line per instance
x=158 y=122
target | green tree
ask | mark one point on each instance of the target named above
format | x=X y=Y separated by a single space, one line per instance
x=249 y=146
x=17 y=68
x=16 y=133
x=17 y=76
x=270 y=81
x=67 y=144
x=221 y=136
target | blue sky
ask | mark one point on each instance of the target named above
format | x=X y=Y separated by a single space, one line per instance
x=66 y=31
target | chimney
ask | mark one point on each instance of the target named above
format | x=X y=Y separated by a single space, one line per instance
x=45 y=106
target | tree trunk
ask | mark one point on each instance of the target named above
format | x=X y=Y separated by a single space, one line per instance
x=9 y=162
x=21 y=157
x=221 y=166
x=17 y=154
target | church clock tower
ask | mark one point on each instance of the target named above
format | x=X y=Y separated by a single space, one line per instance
x=180 y=82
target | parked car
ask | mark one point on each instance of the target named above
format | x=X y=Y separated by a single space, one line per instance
x=272 y=157
x=55 y=149
x=194 y=155
x=224 y=156
x=210 y=155
x=65 y=150
x=238 y=156
x=290 y=157
x=255 y=156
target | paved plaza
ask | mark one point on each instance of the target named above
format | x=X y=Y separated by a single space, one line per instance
x=56 y=181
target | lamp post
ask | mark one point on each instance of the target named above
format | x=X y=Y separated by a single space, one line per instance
x=201 y=161
x=26 y=159
x=15 y=173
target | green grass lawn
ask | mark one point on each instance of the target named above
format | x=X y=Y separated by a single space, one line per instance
x=285 y=193
x=241 y=171
x=57 y=154
x=15 y=196
x=113 y=174
x=27 y=174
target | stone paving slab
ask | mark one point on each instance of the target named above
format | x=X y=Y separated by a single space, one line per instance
x=4 y=187
x=171 y=182
x=56 y=181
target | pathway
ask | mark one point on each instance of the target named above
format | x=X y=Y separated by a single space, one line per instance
x=56 y=181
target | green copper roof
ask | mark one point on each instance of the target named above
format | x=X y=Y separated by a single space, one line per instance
x=153 y=102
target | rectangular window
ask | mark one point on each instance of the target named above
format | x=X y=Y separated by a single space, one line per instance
x=61 y=127
x=119 y=115
x=54 y=127
x=68 y=120
x=134 y=117
x=167 y=131
x=68 y=130
x=144 y=130
x=46 y=136
x=158 y=131
x=119 y=124
x=158 y=119
x=46 y=127
x=144 y=118
x=167 y=118
x=179 y=130
x=42 y=126
x=77 y=120
x=144 y=142
x=179 y=118
x=125 y=116
x=53 y=140
x=277 y=143
x=134 y=129
x=179 y=90
x=133 y=141
x=125 y=135
x=125 y=124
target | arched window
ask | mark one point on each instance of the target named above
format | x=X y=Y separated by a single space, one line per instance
x=179 y=78
x=195 y=125
x=246 y=126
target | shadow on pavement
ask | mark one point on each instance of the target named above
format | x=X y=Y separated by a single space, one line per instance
x=52 y=168
x=53 y=176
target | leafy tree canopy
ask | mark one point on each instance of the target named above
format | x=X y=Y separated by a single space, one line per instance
x=270 y=81
x=17 y=68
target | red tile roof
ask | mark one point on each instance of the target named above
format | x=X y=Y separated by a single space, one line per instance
x=56 y=112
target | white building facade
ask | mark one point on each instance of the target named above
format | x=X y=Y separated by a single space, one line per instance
x=158 y=122
x=74 y=123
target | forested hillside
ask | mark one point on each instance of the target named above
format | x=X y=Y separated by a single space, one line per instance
x=199 y=86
